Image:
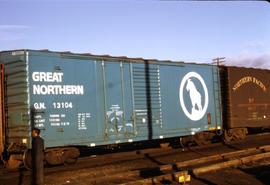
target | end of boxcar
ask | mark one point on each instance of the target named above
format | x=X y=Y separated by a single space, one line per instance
x=245 y=93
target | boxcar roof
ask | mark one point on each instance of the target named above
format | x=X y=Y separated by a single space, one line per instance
x=68 y=54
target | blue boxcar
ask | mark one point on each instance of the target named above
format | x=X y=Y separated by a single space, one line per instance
x=83 y=99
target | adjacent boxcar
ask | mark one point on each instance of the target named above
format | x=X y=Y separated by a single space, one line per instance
x=83 y=99
x=246 y=99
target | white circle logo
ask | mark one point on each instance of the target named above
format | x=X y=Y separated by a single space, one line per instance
x=197 y=110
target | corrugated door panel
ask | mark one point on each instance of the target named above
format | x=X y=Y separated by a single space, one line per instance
x=147 y=99
x=17 y=100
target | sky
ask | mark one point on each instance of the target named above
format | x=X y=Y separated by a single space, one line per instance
x=191 y=31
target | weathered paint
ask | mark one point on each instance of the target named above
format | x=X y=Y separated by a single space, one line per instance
x=17 y=96
x=95 y=100
x=246 y=93
x=2 y=111
x=200 y=96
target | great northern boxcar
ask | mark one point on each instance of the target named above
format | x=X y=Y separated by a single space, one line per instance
x=246 y=100
x=84 y=99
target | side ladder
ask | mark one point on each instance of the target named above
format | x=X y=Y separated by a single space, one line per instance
x=2 y=111
x=217 y=96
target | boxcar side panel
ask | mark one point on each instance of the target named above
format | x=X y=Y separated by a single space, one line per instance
x=82 y=100
x=63 y=95
x=117 y=93
x=190 y=99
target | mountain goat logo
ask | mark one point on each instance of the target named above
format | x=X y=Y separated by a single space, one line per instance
x=195 y=96
x=197 y=110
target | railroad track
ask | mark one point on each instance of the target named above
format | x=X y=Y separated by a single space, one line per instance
x=182 y=171
x=148 y=165
x=113 y=158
